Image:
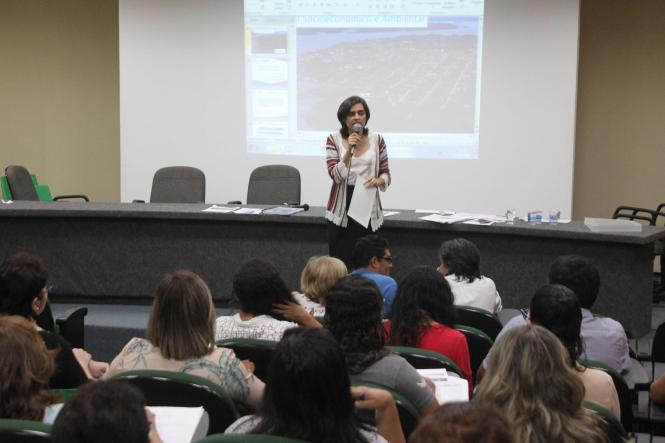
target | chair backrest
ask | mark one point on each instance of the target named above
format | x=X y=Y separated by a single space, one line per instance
x=247 y=438
x=24 y=431
x=635 y=213
x=20 y=183
x=623 y=391
x=409 y=416
x=614 y=430
x=479 y=346
x=178 y=184
x=480 y=319
x=260 y=352
x=274 y=185
x=165 y=388
x=426 y=359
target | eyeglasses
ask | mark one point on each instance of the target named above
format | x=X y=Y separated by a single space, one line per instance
x=388 y=258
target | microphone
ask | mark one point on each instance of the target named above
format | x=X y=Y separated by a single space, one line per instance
x=358 y=129
x=304 y=206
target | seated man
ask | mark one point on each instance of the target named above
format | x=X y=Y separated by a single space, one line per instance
x=371 y=259
x=604 y=338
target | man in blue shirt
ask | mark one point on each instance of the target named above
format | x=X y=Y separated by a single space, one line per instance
x=371 y=259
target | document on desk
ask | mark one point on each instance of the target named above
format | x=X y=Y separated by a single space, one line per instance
x=248 y=211
x=361 y=204
x=220 y=209
x=178 y=424
x=449 y=387
x=389 y=213
x=282 y=210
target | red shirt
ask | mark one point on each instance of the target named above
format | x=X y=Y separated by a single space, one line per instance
x=447 y=341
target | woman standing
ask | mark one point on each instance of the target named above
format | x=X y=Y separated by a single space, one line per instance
x=354 y=156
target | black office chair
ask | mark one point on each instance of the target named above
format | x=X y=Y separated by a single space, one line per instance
x=479 y=346
x=479 y=319
x=274 y=185
x=165 y=388
x=24 y=431
x=259 y=352
x=22 y=187
x=178 y=184
x=624 y=393
x=426 y=359
x=409 y=416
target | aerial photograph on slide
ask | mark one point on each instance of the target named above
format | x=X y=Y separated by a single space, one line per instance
x=424 y=80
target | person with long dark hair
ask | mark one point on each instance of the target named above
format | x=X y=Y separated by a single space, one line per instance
x=354 y=313
x=423 y=317
x=308 y=396
x=355 y=156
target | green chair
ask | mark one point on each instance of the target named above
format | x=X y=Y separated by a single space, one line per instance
x=409 y=416
x=479 y=346
x=259 y=352
x=480 y=319
x=426 y=359
x=614 y=430
x=247 y=438
x=624 y=393
x=65 y=393
x=165 y=388
x=24 y=431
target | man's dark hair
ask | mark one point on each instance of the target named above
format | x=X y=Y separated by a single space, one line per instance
x=103 y=412
x=258 y=287
x=22 y=278
x=367 y=247
x=578 y=274
x=461 y=257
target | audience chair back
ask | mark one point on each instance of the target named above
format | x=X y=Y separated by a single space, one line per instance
x=165 y=388
x=409 y=416
x=426 y=359
x=479 y=346
x=248 y=438
x=480 y=319
x=274 y=185
x=178 y=184
x=24 y=431
x=260 y=352
x=612 y=427
x=624 y=393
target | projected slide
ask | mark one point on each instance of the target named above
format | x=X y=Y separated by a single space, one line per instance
x=416 y=63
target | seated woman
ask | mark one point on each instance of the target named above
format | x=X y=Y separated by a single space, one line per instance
x=23 y=292
x=180 y=338
x=530 y=379
x=26 y=367
x=460 y=263
x=260 y=289
x=318 y=276
x=308 y=396
x=423 y=316
x=557 y=308
x=354 y=313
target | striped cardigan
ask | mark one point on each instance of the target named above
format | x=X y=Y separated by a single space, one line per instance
x=338 y=171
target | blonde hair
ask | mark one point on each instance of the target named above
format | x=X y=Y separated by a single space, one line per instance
x=319 y=275
x=182 y=319
x=530 y=380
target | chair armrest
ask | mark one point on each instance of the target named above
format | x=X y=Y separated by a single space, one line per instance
x=234 y=202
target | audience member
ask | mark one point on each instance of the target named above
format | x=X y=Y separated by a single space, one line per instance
x=260 y=289
x=354 y=312
x=23 y=292
x=372 y=259
x=105 y=412
x=308 y=396
x=26 y=367
x=530 y=379
x=423 y=317
x=318 y=276
x=180 y=338
x=463 y=422
x=557 y=308
x=460 y=263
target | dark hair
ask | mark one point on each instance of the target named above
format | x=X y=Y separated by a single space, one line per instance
x=307 y=395
x=22 y=278
x=557 y=309
x=258 y=286
x=354 y=313
x=103 y=411
x=579 y=274
x=345 y=108
x=463 y=422
x=367 y=247
x=461 y=257
x=423 y=295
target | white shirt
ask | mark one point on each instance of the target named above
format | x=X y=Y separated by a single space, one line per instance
x=480 y=293
x=361 y=167
x=262 y=327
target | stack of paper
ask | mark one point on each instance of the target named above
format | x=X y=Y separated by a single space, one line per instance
x=179 y=425
x=449 y=387
x=612 y=225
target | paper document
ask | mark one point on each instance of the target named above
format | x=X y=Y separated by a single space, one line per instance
x=178 y=425
x=389 y=213
x=449 y=387
x=361 y=204
x=282 y=210
x=427 y=211
x=220 y=209
x=248 y=211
